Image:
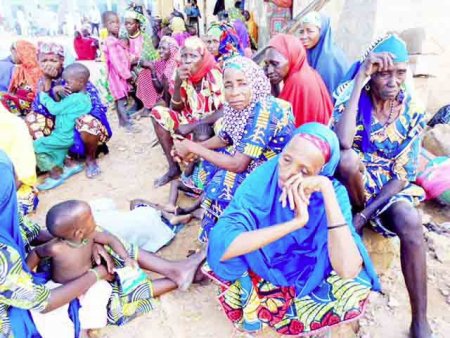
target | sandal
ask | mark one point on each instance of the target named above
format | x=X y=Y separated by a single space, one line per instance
x=92 y=171
x=50 y=183
x=70 y=171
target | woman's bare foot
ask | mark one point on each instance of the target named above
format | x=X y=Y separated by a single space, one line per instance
x=420 y=330
x=169 y=176
x=188 y=269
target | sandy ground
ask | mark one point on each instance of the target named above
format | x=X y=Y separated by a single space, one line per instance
x=128 y=173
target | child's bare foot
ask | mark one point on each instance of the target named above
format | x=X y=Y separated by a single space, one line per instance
x=170 y=175
x=181 y=219
x=187 y=272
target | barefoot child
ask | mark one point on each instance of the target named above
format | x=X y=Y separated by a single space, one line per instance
x=51 y=150
x=74 y=228
x=193 y=179
x=118 y=65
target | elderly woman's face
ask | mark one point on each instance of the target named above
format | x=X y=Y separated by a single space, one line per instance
x=132 y=26
x=276 y=67
x=309 y=35
x=386 y=85
x=212 y=44
x=301 y=157
x=51 y=64
x=164 y=50
x=238 y=92
x=192 y=58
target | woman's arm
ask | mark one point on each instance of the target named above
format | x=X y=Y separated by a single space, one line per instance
x=176 y=102
x=237 y=163
x=342 y=250
x=345 y=128
x=214 y=142
x=67 y=292
x=253 y=240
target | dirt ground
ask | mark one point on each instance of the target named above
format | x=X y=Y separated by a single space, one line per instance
x=128 y=173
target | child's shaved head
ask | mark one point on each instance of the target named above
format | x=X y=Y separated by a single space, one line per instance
x=65 y=218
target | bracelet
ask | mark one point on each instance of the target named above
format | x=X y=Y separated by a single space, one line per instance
x=337 y=226
x=363 y=216
x=97 y=276
x=177 y=103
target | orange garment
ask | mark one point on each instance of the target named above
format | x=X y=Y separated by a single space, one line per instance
x=27 y=72
x=303 y=86
x=252 y=28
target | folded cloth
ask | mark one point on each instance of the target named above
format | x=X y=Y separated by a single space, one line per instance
x=141 y=226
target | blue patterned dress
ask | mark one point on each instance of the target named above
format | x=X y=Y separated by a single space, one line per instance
x=393 y=152
x=261 y=136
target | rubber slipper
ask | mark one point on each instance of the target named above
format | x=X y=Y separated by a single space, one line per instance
x=92 y=171
x=70 y=171
x=51 y=183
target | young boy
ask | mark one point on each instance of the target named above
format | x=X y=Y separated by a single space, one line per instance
x=51 y=150
x=74 y=229
x=194 y=177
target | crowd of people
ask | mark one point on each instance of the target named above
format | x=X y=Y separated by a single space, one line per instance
x=286 y=161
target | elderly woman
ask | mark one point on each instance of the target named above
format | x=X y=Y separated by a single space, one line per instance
x=196 y=97
x=303 y=87
x=222 y=41
x=153 y=81
x=91 y=130
x=25 y=75
x=25 y=301
x=285 y=247
x=379 y=123
x=323 y=54
x=256 y=127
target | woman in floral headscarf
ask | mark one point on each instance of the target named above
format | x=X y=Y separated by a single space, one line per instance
x=223 y=41
x=196 y=97
x=154 y=79
x=24 y=79
x=256 y=127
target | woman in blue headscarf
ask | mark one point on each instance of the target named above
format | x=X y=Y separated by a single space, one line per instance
x=285 y=248
x=19 y=292
x=379 y=123
x=323 y=54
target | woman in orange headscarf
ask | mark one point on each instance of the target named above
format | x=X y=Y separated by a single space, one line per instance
x=196 y=96
x=303 y=87
x=24 y=80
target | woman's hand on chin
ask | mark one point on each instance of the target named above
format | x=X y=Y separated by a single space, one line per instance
x=49 y=71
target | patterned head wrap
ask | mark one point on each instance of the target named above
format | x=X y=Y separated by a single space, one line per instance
x=320 y=144
x=229 y=44
x=50 y=48
x=235 y=121
x=312 y=18
x=137 y=13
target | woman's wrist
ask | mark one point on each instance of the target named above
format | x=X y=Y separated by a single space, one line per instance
x=96 y=273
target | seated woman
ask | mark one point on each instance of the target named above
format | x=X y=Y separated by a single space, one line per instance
x=223 y=42
x=91 y=130
x=153 y=81
x=196 y=97
x=24 y=299
x=23 y=84
x=379 y=124
x=285 y=247
x=16 y=142
x=323 y=54
x=303 y=87
x=256 y=127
